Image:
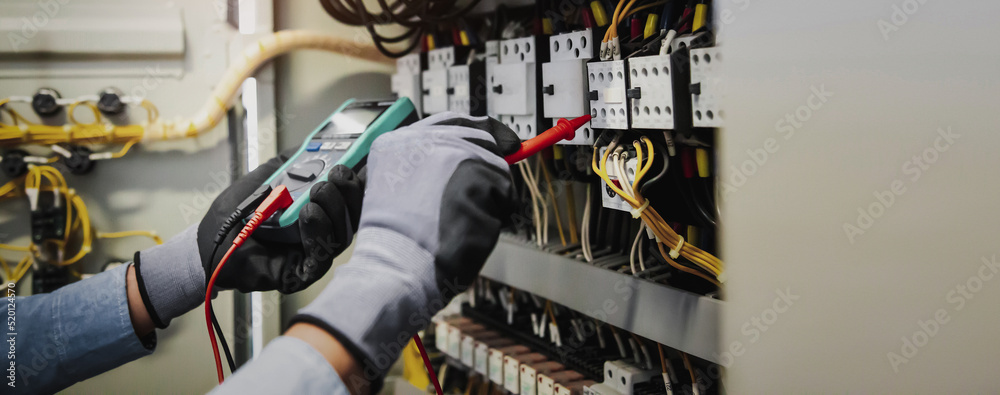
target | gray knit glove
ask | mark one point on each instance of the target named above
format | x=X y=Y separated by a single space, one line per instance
x=438 y=193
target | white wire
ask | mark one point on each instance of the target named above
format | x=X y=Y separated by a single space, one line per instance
x=635 y=246
x=536 y=177
x=534 y=201
x=541 y=226
x=585 y=228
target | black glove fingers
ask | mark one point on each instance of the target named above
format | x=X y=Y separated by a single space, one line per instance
x=322 y=234
x=320 y=244
x=352 y=190
x=506 y=140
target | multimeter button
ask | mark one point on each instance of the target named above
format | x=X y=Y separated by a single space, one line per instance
x=306 y=171
x=314 y=146
x=326 y=146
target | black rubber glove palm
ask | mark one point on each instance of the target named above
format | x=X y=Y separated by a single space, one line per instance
x=326 y=225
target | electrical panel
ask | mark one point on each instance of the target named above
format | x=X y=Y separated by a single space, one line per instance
x=629 y=200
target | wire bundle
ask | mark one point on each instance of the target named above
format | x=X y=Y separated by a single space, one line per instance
x=415 y=16
x=23 y=132
x=708 y=267
x=77 y=226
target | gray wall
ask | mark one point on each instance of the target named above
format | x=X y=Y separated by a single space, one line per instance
x=859 y=297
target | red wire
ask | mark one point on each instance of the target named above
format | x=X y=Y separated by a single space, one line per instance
x=427 y=364
x=208 y=311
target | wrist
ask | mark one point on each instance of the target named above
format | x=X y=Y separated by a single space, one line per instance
x=170 y=277
x=377 y=301
x=343 y=361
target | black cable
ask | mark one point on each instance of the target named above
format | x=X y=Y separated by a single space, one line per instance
x=215 y=320
x=242 y=210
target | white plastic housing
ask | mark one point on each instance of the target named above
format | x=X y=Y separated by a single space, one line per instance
x=407 y=82
x=458 y=85
x=652 y=76
x=706 y=106
x=435 y=93
x=608 y=80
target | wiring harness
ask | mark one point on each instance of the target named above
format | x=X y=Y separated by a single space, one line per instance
x=70 y=241
x=416 y=17
x=24 y=132
x=707 y=266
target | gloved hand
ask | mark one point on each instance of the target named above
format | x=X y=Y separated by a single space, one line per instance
x=438 y=194
x=172 y=277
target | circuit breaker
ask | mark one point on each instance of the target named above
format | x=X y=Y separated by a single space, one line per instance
x=650 y=92
x=564 y=79
x=466 y=89
x=706 y=87
x=435 y=80
x=513 y=86
x=407 y=81
x=607 y=94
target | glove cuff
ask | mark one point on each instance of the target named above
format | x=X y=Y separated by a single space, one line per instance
x=376 y=302
x=170 y=277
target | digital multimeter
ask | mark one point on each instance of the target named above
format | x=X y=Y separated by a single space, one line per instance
x=343 y=139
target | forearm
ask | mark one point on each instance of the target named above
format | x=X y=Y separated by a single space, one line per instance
x=293 y=365
x=76 y=332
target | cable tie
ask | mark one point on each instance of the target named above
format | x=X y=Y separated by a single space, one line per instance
x=637 y=212
x=676 y=252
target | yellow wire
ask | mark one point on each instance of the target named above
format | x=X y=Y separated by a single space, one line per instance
x=129 y=233
x=647 y=6
x=124 y=149
x=93 y=108
x=663 y=358
x=15 y=248
x=86 y=244
x=571 y=212
x=552 y=197
x=687 y=364
x=656 y=223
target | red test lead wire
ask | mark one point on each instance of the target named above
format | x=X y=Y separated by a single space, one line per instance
x=278 y=199
x=564 y=130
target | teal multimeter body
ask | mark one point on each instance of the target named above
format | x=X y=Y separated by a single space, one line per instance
x=343 y=139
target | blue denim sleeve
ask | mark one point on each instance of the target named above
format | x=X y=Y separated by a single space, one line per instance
x=286 y=366
x=74 y=333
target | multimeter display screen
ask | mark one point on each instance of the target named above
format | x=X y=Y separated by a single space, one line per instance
x=351 y=121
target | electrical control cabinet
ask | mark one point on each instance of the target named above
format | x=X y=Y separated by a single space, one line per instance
x=557 y=339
